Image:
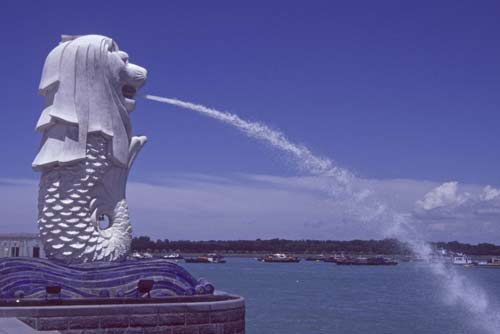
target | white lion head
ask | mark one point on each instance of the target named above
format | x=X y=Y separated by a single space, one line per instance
x=89 y=86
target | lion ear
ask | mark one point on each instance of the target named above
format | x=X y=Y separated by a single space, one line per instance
x=50 y=72
x=67 y=38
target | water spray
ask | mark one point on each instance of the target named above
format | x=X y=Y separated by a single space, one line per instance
x=301 y=154
x=458 y=289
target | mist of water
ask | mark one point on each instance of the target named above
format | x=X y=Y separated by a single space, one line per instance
x=457 y=288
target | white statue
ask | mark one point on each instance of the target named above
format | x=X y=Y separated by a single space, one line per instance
x=87 y=149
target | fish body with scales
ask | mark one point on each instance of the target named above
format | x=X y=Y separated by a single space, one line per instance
x=70 y=209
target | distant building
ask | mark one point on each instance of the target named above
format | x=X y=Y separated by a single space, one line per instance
x=21 y=244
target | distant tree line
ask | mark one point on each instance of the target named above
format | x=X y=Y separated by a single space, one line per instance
x=385 y=246
x=479 y=249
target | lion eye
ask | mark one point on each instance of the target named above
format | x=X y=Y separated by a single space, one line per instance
x=123 y=56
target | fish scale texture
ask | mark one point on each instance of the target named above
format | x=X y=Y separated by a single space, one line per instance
x=68 y=209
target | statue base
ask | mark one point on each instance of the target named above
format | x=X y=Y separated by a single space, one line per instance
x=102 y=298
x=31 y=279
x=216 y=314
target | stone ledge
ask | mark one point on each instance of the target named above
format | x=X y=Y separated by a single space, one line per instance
x=228 y=317
x=120 y=309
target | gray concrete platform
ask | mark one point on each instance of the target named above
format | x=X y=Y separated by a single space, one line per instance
x=16 y=326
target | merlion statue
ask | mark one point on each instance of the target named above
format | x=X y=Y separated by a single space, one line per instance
x=87 y=149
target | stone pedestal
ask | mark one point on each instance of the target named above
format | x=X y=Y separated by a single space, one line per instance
x=218 y=314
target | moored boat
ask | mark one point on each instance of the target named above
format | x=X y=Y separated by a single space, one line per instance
x=173 y=256
x=364 y=261
x=335 y=258
x=461 y=260
x=381 y=261
x=279 y=258
x=493 y=263
x=141 y=256
x=209 y=258
x=137 y=255
x=317 y=258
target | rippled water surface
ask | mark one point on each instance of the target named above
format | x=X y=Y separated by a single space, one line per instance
x=316 y=297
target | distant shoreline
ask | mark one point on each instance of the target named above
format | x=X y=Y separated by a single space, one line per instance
x=304 y=248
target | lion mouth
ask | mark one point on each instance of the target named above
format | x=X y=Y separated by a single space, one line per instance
x=129 y=91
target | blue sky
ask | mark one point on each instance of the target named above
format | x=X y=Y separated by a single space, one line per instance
x=388 y=89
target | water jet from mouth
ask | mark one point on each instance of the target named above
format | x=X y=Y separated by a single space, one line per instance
x=458 y=289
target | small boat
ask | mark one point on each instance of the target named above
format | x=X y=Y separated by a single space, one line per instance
x=335 y=258
x=317 y=258
x=279 y=258
x=137 y=255
x=173 y=256
x=209 y=258
x=491 y=263
x=140 y=256
x=147 y=255
x=380 y=261
x=347 y=261
x=363 y=261
x=461 y=260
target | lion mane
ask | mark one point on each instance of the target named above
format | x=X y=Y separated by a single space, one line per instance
x=81 y=82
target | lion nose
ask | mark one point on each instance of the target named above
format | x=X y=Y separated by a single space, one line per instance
x=137 y=75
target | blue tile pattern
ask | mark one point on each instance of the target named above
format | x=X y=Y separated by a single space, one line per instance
x=28 y=278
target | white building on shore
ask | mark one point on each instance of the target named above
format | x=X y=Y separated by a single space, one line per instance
x=21 y=244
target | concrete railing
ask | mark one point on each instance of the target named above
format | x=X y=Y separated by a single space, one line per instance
x=212 y=317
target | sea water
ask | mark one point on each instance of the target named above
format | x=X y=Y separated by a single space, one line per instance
x=317 y=297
